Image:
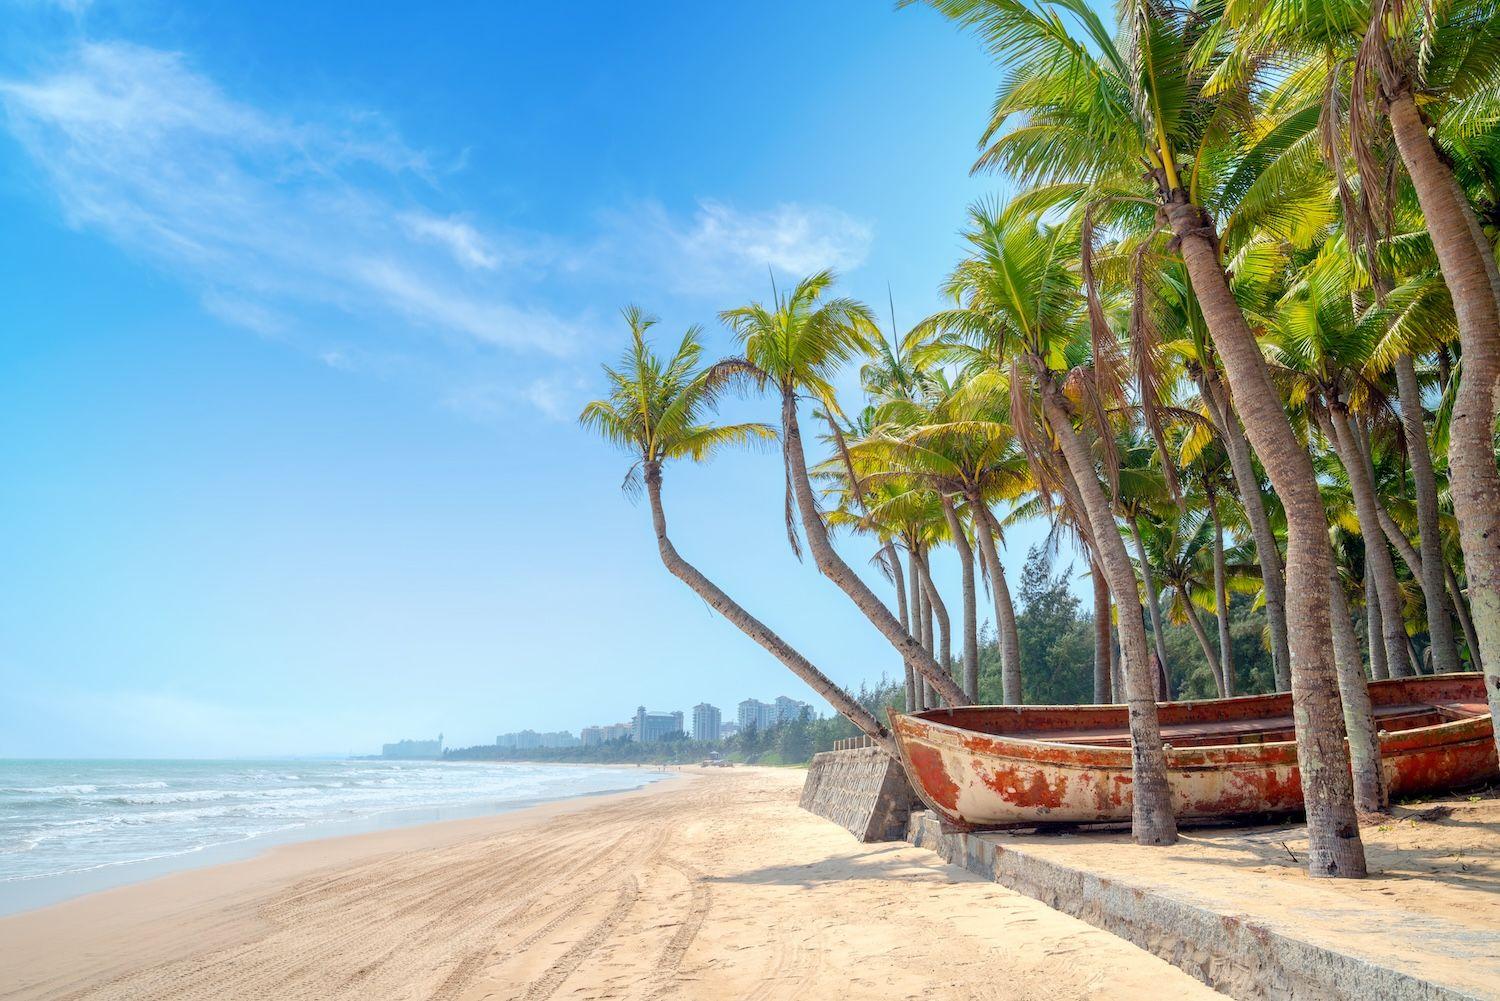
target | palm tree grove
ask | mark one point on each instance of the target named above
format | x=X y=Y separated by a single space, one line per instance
x=1234 y=336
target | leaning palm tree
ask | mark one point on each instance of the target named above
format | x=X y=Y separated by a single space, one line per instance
x=657 y=410
x=796 y=345
x=1094 y=108
x=1019 y=300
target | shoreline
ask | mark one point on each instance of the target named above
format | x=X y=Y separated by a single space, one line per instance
x=24 y=896
x=717 y=885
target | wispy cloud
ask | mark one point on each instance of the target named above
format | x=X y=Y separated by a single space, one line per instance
x=262 y=213
x=315 y=226
x=721 y=247
x=558 y=397
x=467 y=245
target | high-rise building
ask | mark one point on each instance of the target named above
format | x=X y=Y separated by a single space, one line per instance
x=655 y=726
x=788 y=709
x=593 y=736
x=757 y=714
x=706 y=721
x=527 y=740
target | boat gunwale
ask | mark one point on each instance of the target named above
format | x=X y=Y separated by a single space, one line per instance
x=924 y=725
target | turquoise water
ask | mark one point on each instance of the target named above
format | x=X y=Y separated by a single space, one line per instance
x=70 y=827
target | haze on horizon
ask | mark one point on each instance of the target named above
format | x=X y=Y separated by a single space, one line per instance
x=301 y=310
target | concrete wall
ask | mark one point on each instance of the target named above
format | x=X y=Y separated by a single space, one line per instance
x=862 y=790
x=1225 y=949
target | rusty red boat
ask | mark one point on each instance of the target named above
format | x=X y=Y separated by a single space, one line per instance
x=990 y=767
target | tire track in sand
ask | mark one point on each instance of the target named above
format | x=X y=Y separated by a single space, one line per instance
x=547 y=984
x=671 y=957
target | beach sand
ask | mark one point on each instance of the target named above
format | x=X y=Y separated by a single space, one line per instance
x=712 y=886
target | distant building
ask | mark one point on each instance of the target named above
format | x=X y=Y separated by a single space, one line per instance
x=707 y=722
x=788 y=710
x=530 y=740
x=757 y=714
x=413 y=749
x=727 y=730
x=593 y=736
x=655 y=726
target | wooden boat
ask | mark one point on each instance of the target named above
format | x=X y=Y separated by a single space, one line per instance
x=1008 y=766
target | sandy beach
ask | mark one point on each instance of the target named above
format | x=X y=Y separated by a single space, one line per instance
x=712 y=886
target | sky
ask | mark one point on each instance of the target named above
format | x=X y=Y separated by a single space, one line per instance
x=302 y=302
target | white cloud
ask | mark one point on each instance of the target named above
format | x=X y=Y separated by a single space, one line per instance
x=722 y=247
x=304 y=229
x=263 y=213
x=558 y=397
x=467 y=245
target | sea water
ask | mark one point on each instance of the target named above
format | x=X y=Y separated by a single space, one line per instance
x=71 y=827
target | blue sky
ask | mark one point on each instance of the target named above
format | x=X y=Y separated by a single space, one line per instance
x=302 y=301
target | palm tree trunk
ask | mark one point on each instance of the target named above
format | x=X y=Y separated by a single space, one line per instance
x=1470 y=272
x=1380 y=664
x=1359 y=718
x=1103 y=693
x=1152 y=821
x=893 y=562
x=1335 y=848
x=1116 y=663
x=753 y=627
x=916 y=692
x=940 y=614
x=1007 y=635
x=1461 y=609
x=925 y=633
x=1434 y=588
x=1273 y=576
x=1209 y=653
x=1153 y=605
x=832 y=565
x=971 y=612
x=1221 y=601
x=1377 y=554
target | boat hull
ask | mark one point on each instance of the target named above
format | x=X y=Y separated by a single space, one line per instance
x=1006 y=766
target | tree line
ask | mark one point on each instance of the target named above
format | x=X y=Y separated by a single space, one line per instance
x=1236 y=335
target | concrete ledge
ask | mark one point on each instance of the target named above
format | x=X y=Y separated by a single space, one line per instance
x=1222 y=946
x=863 y=790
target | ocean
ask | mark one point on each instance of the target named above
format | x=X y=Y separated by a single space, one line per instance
x=73 y=827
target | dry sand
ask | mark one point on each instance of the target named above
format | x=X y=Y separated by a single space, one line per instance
x=715 y=886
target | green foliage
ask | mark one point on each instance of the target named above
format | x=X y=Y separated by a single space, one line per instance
x=1057 y=646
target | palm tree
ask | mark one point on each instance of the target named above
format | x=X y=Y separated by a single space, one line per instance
x=1019 y=300
x=1199 y=364
x=1209 y=472
x=656 y=410
x=1151 y=96
x=1103 y=635
x=795 y=346
x=1319 y=339
x=1140 y=489
x=1409 y=51
x=1180 y=543
x=1423 y=75
x=957 y=445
